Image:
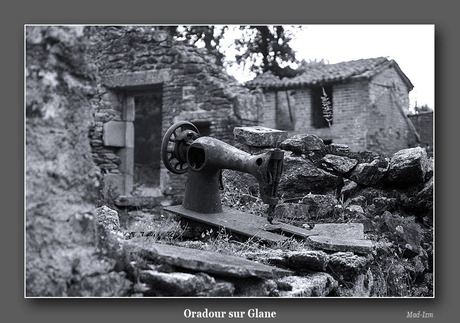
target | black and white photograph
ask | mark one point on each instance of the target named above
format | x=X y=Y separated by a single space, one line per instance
x=229 y=161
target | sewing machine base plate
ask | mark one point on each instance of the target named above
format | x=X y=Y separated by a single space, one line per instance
x=245 y=224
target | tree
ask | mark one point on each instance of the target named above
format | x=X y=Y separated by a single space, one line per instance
x=266 y=48
x=261 y=48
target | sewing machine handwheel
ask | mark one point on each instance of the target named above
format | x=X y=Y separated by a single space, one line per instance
x=175 y=144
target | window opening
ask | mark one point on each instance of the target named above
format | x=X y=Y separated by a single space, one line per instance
x=204 y=127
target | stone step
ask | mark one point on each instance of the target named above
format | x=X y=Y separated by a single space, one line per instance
x=204 y=261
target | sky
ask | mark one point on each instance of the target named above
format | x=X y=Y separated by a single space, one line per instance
x=411 y=46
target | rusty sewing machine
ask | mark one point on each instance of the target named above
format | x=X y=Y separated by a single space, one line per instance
x=203 y=158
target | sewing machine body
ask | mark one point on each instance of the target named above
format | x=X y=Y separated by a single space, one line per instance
x=204 y=158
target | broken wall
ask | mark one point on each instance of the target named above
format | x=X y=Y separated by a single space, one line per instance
x=191 y=85
x=367 y=114
x=349 y=109
x=62 y=180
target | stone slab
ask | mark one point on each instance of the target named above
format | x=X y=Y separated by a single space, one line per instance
x=257 y=136
x=207 y=261
x=136 y=79
x=336 y=244
x=114 y=134
x=242 y=223
x=346 y=231
x=340 y=237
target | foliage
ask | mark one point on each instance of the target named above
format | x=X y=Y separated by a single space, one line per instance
x=327 y=107
x=266 y=48
x=261 y=48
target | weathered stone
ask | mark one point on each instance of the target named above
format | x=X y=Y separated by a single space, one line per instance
x=353 y=211
x=320 y=206
x=275 y=257
x=259 y=136
x=348 y=188
x=358 y=200
x=404 y=231
x=291 y=211
x=338 y=244
x=408 y=167
x=301 y=176
x=206 y=261
x=338 y=164
x=112 y=284
x=108 y=218
x=316 y=284
x=347 y=265
x=114 y=134
x=177 y=283
x=302 y=143
x=137 y=78
x=340 y=237
x=338 y=149
x=368 y=174
x=383 y=203
x=361 y=286
x=347 y=231
x=310 y=260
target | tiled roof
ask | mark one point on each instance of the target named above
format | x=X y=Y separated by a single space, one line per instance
x=318 y=73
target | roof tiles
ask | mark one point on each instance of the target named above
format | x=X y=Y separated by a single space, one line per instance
x=318 y=73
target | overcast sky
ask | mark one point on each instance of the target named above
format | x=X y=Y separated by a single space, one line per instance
x=411 y=46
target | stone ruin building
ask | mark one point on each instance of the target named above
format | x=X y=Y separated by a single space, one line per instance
x=146 y=82
x=369 y=98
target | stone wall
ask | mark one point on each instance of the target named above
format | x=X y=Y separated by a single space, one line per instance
x=62 y=180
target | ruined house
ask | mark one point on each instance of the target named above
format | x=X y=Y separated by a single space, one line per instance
x=369 y=100
x=146 y=82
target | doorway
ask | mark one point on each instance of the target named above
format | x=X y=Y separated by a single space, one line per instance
x=147 y=142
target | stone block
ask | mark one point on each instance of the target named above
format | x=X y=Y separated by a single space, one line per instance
x=129 y=135
x=143 y=78
x=206 y=261
x=303 y=143
x=129 y=109
x=257 y=136
x=113 y=185
x=127 y=160
x=114 y=134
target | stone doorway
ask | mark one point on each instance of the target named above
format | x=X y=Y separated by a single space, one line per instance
x=147 y=142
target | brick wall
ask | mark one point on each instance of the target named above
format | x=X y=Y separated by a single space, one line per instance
x=389 y=103
x=349 y=102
